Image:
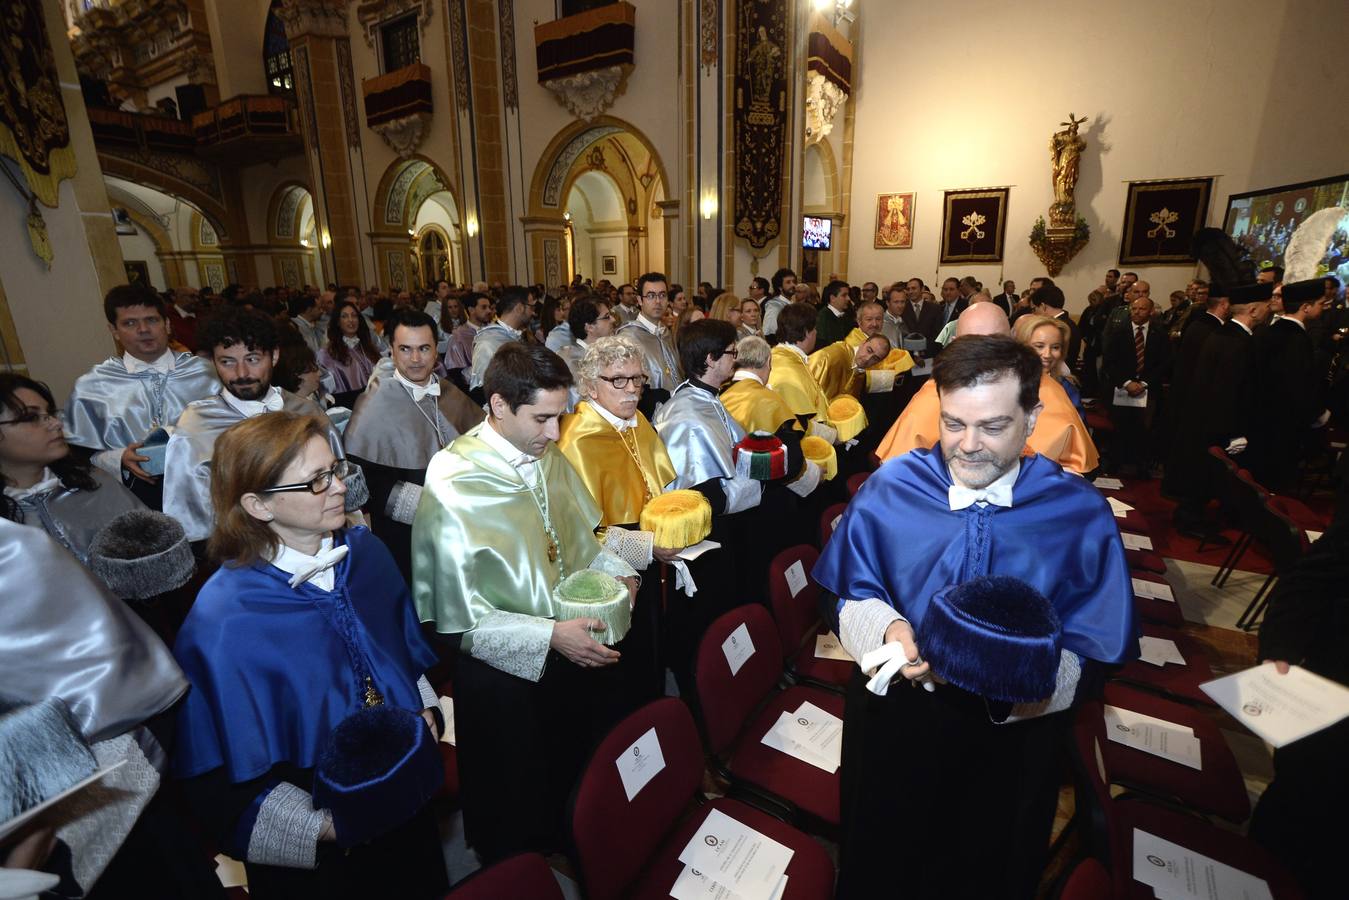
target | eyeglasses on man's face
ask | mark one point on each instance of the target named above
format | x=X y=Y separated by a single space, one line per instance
x=621 y=382
x=318 y=484
x=656 y=295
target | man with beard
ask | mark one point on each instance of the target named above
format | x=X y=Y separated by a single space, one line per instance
x=244 y=347
x=963 y=765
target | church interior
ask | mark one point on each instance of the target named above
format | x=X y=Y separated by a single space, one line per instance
x=1109 y=172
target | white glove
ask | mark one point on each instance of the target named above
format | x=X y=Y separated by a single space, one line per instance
x=1322 y=419
x=684 y=578
x=888 y=659
x=1237 y=446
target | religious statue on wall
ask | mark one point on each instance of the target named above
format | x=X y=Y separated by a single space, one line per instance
x=1067 y=232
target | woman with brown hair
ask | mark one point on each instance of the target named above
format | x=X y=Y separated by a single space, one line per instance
x=305 y=624
x=351 y=353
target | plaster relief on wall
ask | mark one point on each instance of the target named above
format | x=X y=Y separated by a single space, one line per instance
x=588 y=94
x=824 y=101
x=404 y=135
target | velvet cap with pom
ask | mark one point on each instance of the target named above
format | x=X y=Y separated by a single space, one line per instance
x=994 y=636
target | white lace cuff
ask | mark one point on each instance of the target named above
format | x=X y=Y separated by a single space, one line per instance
x=880 y=381
x=515 y=643
x=1065 y=688
x=633 y=547
x=807 y=481
x=402 y=505
x=287 y=830
x=862 y=624
x=828 y=432
x=611 y=563
x=742 y=492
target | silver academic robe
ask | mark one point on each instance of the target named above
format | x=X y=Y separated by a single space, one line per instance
x=558 y=338
x=388 y=428
x=74 y=516
x=699 y=435
x=662 y=361
x=486 y=343
x=187 y=459
x=110 y=408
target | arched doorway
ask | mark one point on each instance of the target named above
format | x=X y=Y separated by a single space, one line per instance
x=292 y=232
x=597 y=186
x=166 y=242
x=415 y=198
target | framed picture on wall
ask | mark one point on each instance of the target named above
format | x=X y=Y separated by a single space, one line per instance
x=137 y=272
x=974 y=224
x=894 y=221
x=1160 y=219
x=608 y=265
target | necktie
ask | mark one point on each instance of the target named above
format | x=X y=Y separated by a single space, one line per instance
x=321 y=563
x=959 y=497
x=1138 y=348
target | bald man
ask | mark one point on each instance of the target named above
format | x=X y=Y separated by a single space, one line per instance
x=1059 y=432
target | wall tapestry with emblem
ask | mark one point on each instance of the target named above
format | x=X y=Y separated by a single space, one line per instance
x=1160 y=219
x=33 y=129
x=760 y=118
x=973 y=225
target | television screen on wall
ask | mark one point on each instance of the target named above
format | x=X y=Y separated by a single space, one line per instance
x=1263 y=221
x=816 y=232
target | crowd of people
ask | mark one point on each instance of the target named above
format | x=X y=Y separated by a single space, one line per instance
x=381 y=495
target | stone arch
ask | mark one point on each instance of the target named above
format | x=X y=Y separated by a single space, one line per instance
x=547 y=188
x=404 y=187
x=284 y=210
x=829 y=167
x=193 y=194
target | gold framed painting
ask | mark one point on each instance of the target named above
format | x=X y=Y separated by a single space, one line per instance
x=894 y=221
x=974 y=225
x=1160 y=220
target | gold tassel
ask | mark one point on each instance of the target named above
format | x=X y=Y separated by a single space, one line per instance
x=678 y=518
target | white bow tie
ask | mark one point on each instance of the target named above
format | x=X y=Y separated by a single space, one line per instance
x=960 y=497
x=430 y=390
x=321 y=563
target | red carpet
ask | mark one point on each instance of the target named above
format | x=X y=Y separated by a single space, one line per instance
x=1146 y=498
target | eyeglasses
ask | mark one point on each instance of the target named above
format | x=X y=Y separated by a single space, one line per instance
x=653 y=295
x=621 y=382
x=33 y=417
x=731 y=352
x=318 y=484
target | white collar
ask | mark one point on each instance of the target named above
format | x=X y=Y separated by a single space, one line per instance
x=163 y=365
x=523 y=462
x=272 y=401
x=1300 y=324
x=650 y=326
x=316 y=570
x=1218 y=318
x=1244 y=327
x=352 y=341
x=580 y=342
x=795 y=349
x=1002 y=486
x=514 y=331
x=838 y=313
x=418 y=391
x=184 y=313
x=1144 y=326
x=745 y=375
x=890 y=318
x=46 y=483
x=619 y=424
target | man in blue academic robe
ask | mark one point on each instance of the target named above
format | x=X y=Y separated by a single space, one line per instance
x=946 y=793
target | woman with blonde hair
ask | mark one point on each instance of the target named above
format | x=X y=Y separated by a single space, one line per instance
x=1049 y=339
x=727 y=308
x=305 y=625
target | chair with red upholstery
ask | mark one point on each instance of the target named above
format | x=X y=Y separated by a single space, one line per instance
x=1283 y=542
x=629 y=847
x=828 y=520
x=738 y=709
x=1164 y=612
x=524 y=877
x=1178 y=681
x=1089 y=880
x=1111 y=821
x=798 y=619
x=855 y=482
x=1217 y=788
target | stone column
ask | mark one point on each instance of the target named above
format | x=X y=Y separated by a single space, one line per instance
x=547 y=237
x=317 y=31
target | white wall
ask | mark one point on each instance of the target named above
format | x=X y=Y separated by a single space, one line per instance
x=1232 y=88
x=138 y=246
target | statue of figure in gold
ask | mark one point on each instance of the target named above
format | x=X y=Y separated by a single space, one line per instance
x=1065 y=152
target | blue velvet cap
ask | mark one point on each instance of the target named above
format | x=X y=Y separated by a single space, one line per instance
x=996 y=636
x=379 y=768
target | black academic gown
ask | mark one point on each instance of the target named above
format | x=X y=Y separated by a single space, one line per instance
x=1289 y=400
x=1198 y=329
x=1219 y=406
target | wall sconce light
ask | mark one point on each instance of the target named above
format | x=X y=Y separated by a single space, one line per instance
x=411 y=233
x=304 y=242
x=708 y=205
x=566 y=216
x=472 y=226
x=327 y=240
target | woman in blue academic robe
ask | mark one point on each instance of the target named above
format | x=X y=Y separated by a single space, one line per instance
x=305 y=623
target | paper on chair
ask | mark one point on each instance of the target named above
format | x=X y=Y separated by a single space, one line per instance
x=1118 y=507
x=1135 y=541
x=1153 y=590
x=1175 y=873
x=796 y=577
x=1314 y=536
x=736 y=857
x=640 y=763
x=1159 y=651
x=447 y=713
x=810 y=734
x=776 y=737
x=1280 y=708
x=738 y=648
x=1108 y=484
x=828 y=646
x=230 y=871
x=1151 y=735
x=689 y=554
x=694 y=885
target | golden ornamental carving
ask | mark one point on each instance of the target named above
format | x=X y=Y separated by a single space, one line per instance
x=1067 y=233
x=323 y=18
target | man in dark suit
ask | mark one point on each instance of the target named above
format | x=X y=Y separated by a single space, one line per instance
x=1199 y=328
x=836 y=318
x=927 y=318
x=1007 y=299
x=1136 y=363
x=1048 y=300
x=1220 y=408
x=1290 y=401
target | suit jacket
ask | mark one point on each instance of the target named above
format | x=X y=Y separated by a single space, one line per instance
x=1121 y=359
x=1006 y=302
x=928 y=323
x=830 y=329
x=1074 y=347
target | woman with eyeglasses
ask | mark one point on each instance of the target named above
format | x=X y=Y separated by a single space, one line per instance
x=45 y=485
x=305 y=623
